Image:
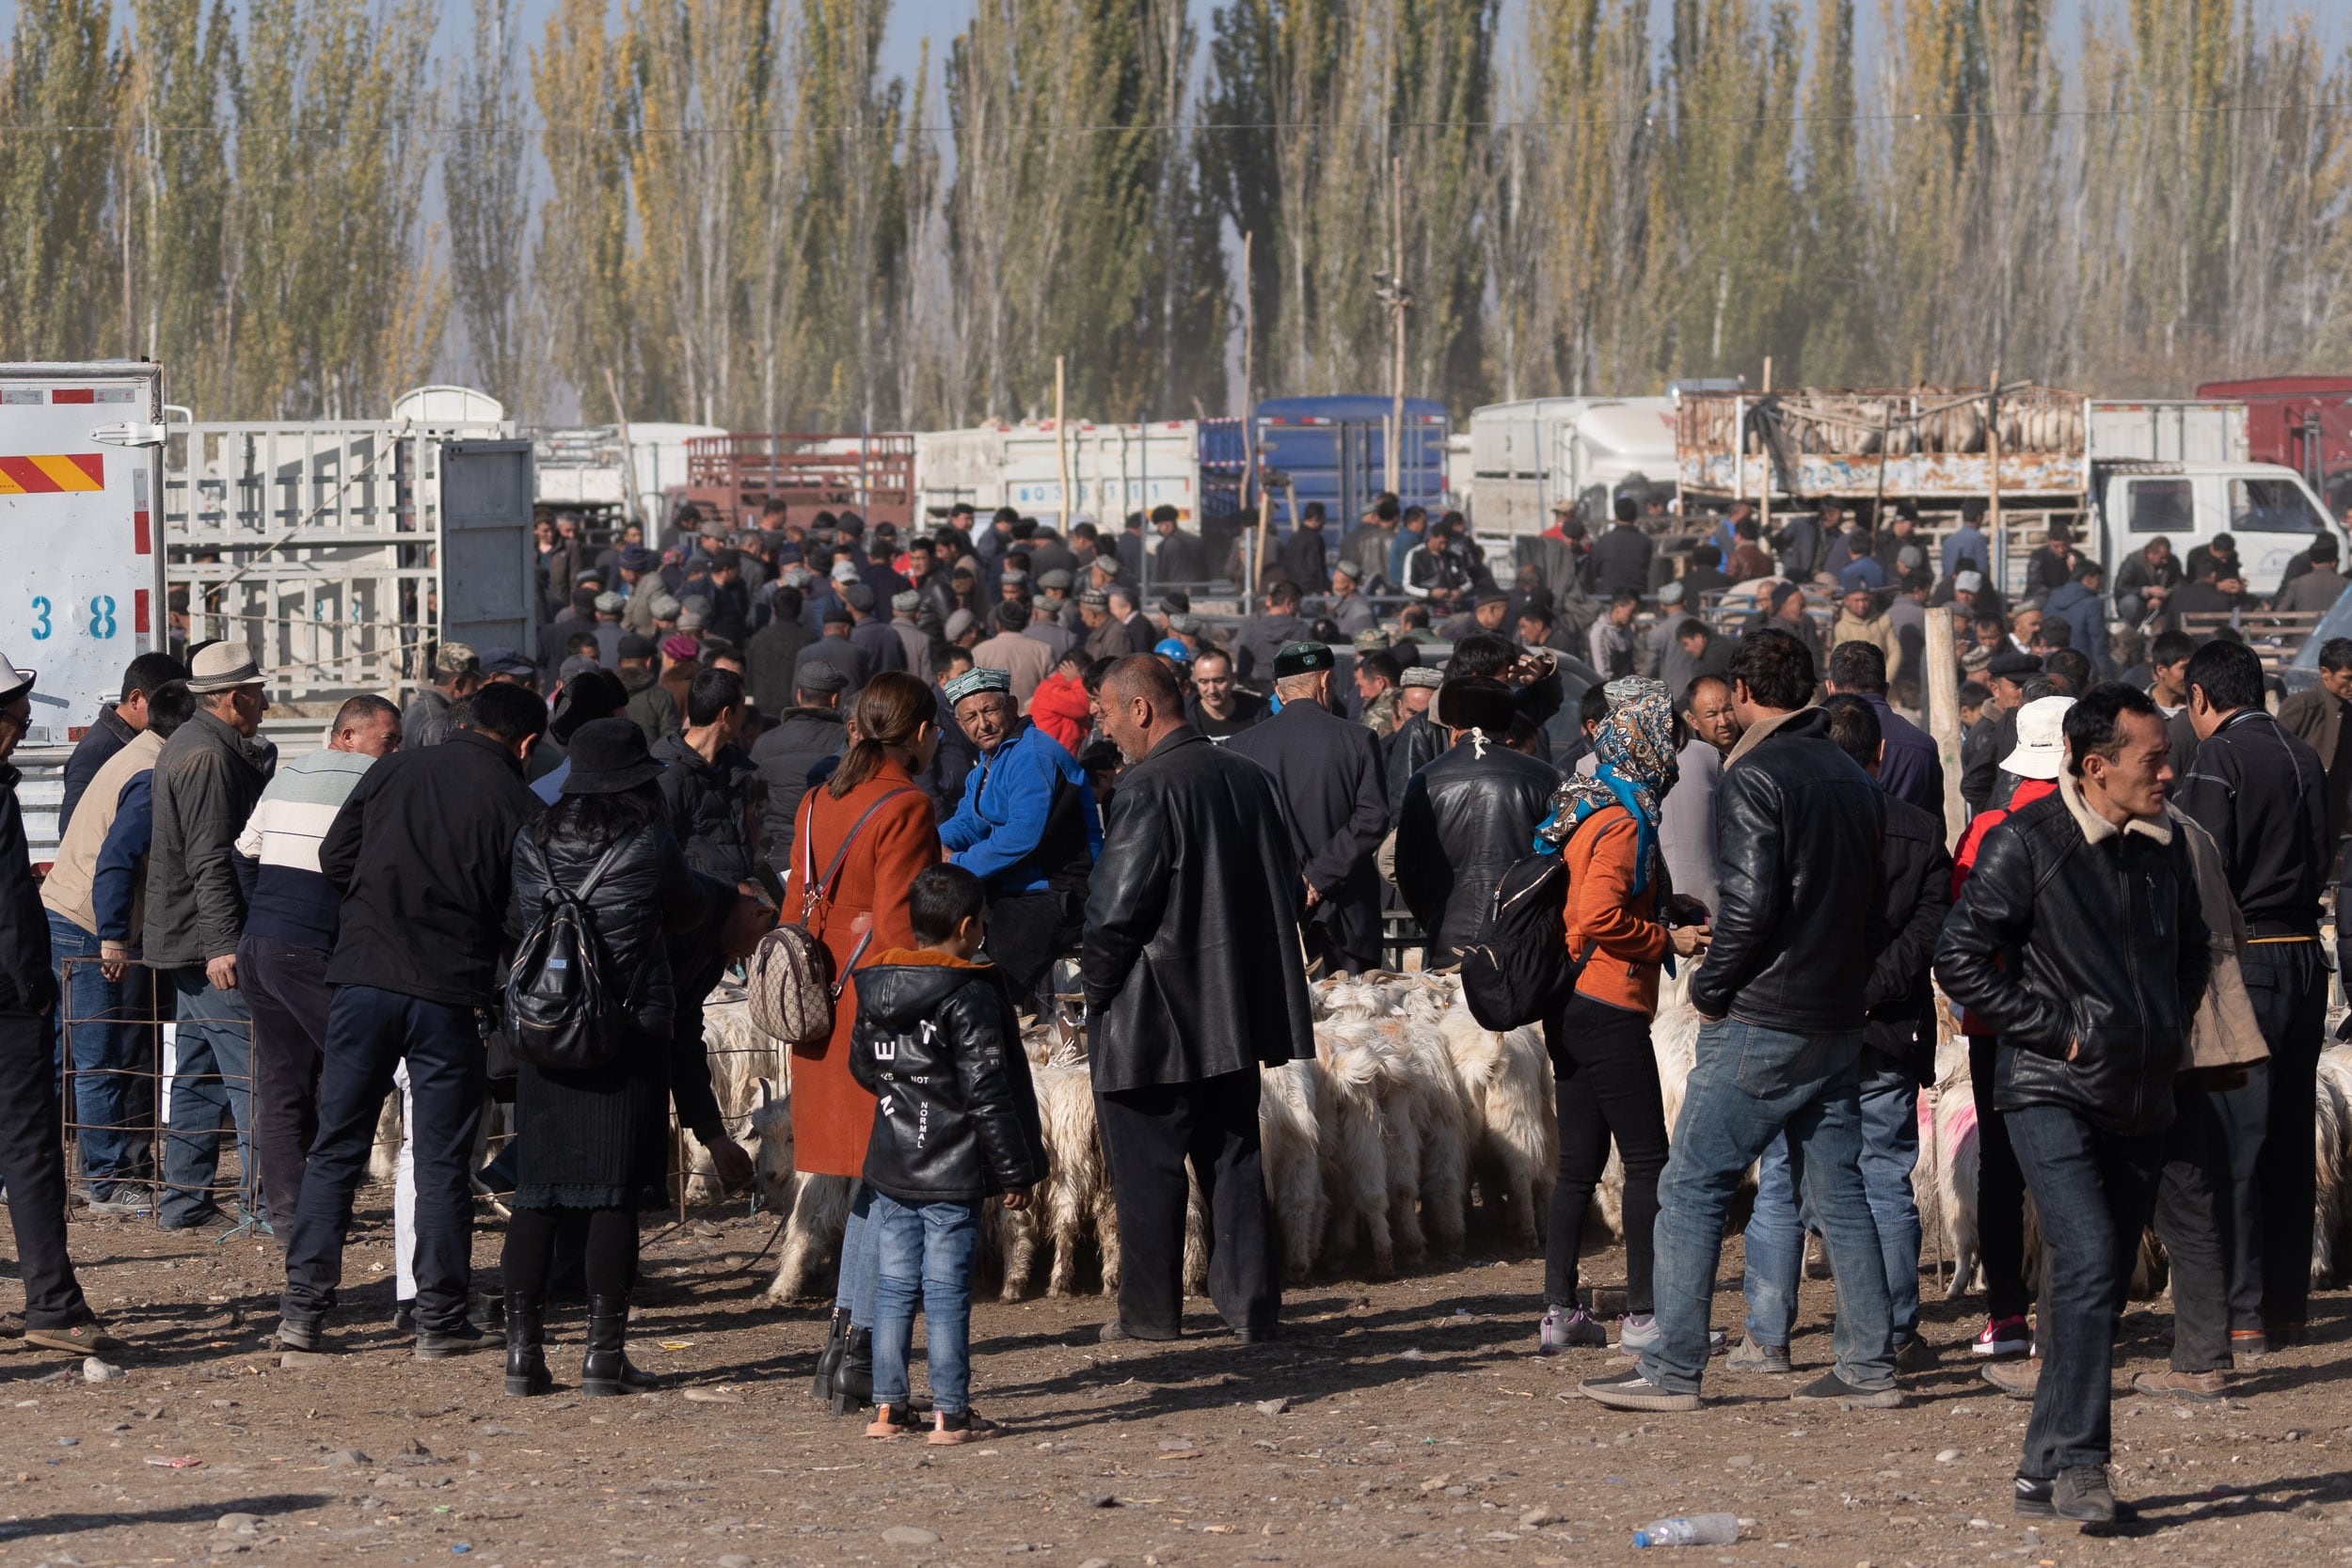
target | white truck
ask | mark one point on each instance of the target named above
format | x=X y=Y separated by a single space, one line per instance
x=1527 y=456
x=1194 y=466
x=2119 y=472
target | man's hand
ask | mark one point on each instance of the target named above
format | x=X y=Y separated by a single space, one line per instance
x=733 y=1165
x=1016 y=1202
x=2073 y=1048
x=1687 y=941
x=1313 y=897
x=222 y=971
x=114 y=965
x=746 y=923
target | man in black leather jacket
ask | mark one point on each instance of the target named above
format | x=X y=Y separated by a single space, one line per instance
x=1898 y=1059
x=1193 y=982
x=1783 y=995
x=2080 y=938
x=1467 y=817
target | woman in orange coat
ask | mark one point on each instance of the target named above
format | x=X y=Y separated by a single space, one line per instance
x=1623 y=923
x=857 y=907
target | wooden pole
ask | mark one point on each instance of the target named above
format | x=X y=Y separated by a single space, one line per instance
x=1396 y=311
x=1764 y=514
x=1943 y=689
x=1249 y=376
x=1257 y=549
x=1996 y=536
x=1061 y=450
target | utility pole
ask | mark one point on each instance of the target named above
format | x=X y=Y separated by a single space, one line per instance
x=1399 y=299
x=1249 y=374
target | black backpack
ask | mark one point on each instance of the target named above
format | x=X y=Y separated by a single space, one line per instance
x=1518 y=972
x=562 y=1013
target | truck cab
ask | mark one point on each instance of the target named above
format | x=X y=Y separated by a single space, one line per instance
x=2267 y=510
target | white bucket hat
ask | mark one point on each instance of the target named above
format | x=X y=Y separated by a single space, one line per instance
x=2041 y=749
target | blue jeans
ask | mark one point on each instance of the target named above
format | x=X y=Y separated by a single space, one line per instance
x=924 y=1250
x=855 y=1291
x=211 y=1076
x=1751 y=1084
x=2093 y=1192
x=103 y=1020
x=368 y=1033
x=1889 y=1104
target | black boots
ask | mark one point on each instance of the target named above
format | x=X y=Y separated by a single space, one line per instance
x=606 y=1371
x=829 y=1359
x=526 y=1346
x=853 y=1379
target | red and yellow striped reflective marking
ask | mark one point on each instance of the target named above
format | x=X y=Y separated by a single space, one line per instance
x=49 y=474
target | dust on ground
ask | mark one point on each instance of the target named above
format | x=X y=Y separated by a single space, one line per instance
x=1392 y=1422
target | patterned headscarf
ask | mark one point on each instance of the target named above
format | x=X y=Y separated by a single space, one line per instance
x=1636 y=748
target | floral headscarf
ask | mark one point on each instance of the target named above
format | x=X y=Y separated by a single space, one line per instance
x=1636 y=747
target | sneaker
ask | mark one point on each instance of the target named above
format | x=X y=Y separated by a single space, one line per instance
x=2033 y=1499
x=2017 y=1379
x=119 y=1201
x=440 y=1344
x=1634 y=1391
x=1912 y=1354
x=2203 y=1387
x=967 y=1427
x=1831 y=1388
x=1568 y=1330
x=81 y=1339
x=2249 y=1342
x=2003 y=1337
x=2081 y=1493
x=207 y=1221
x=1638 y=1332
x=891 y=1420
x=1754 y=1355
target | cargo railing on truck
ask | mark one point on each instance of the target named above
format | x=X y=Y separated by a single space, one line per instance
x=736 y=476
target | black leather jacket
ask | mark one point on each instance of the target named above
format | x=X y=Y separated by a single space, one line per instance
x=938 y=1043
x=1918 y=895
x=1800 y=916
x=1412 y=745
x=1464 y=820
x=1191 y=956
x=710 y=806
x=2058 y=942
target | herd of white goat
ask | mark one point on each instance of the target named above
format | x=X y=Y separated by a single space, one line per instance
x=1411 y=1129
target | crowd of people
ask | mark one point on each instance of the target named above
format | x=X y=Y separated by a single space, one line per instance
x=965 y=759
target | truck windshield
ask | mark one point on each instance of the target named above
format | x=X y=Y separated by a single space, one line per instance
x=2270 y=506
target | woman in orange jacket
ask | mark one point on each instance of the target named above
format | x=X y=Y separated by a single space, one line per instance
x=871 y=828
x=1607 y=829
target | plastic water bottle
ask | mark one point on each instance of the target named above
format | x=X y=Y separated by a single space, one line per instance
x=1697 y=1529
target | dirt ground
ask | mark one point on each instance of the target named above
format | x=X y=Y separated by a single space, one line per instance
x=1392 y=1422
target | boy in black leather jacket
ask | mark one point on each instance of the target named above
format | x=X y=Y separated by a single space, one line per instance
x=955 y=1124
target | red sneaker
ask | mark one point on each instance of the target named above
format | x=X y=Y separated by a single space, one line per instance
x=2004 y=1336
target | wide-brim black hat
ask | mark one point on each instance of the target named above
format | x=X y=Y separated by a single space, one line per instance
x=608 y=756
x=593 y=694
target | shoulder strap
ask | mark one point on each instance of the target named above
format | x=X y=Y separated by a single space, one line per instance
x=812 y=892
x=604 y=864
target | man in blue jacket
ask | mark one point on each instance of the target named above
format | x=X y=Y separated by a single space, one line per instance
x=1027 y=827
x=2079 y=605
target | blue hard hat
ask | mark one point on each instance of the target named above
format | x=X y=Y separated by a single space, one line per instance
x=1174 y=647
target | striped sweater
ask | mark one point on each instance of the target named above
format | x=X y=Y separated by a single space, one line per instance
x=292 y=901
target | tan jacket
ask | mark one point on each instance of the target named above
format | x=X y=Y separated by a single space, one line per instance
x=1023 y=657
x=2314 y=716
x=1876 y=629
x=2225 y=1032
x=66 y=889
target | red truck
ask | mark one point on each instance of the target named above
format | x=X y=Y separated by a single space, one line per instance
x=734 y=476
x=2303 y=423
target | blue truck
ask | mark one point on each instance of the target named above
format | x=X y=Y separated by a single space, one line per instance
x=1334 y=449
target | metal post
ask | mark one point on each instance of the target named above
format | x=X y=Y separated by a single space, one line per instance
x=1061 y=451
x=1399 y=302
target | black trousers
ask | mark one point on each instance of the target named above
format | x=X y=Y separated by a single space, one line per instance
x=2001 y=1190
x=32 y=1167
x=285 y=985
x=370 y=1031
x=1148 y=1135
x=2187 y=1224
x=2266 y=1216
x=1608 y=1088
x=534 y=1235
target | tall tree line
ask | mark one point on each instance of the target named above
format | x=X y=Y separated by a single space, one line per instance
x=728 y=211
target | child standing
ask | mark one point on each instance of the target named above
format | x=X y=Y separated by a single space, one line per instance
x=955 y=1124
